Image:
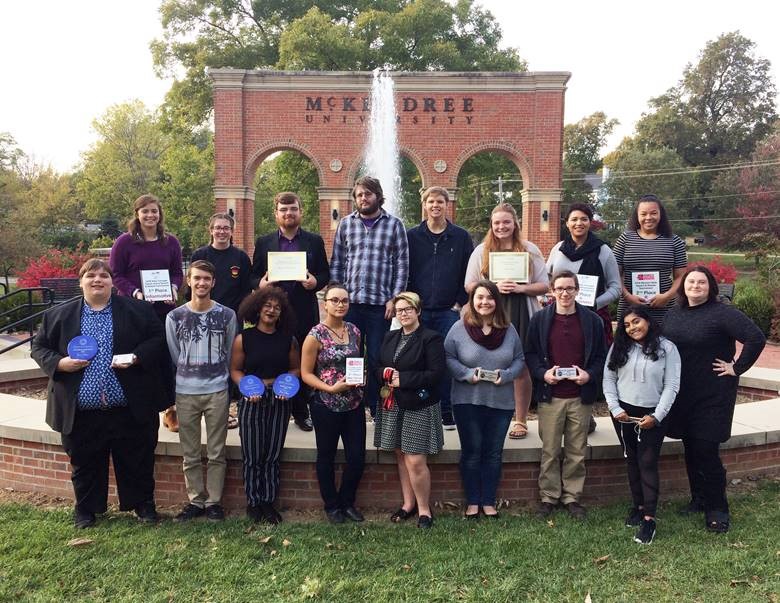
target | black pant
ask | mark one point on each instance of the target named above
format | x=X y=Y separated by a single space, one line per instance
x=98 y=434
x=300 y=406
x=329 y=426
x=641 y=447
x=706 y=474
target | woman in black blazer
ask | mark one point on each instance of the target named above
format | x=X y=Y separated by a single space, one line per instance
x=408 y=422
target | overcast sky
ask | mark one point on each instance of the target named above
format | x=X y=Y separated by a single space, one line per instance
x=65 y=63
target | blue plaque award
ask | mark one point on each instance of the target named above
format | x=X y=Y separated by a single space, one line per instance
x=82 y=347
x=286 y=385
x=251 y=386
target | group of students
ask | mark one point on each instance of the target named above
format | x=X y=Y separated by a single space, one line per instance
x=469 y=353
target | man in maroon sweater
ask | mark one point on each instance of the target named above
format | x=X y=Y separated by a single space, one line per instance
x=565 y=353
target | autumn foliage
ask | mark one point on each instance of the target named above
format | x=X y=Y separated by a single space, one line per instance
x=723 y=273
x=52 y=264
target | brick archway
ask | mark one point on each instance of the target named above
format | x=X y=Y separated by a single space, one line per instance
x=443 y=119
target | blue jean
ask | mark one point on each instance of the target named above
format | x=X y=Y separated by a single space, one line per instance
x=370 y=319
x=441 y=321
x=481 y=431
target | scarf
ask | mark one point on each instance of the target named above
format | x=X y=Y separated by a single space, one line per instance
x=589 y=254
x=491 y=341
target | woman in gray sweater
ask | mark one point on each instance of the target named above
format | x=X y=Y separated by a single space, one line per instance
x=641 y=380
x=484 y=355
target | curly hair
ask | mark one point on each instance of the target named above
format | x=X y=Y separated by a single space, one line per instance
x=249 y=310
x=623 y=343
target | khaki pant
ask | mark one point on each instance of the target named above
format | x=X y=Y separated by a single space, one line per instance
x=214 y=410
x=566 y=418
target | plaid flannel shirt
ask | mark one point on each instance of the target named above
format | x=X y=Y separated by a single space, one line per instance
x=373 y=263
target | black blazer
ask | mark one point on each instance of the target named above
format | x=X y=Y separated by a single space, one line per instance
x=421 y=367
x=137 y=330
x=303 y=302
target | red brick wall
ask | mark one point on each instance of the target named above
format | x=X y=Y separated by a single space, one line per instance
x=519 y=115
x=32 y=466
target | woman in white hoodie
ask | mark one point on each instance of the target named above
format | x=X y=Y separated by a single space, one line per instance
x=641 y=380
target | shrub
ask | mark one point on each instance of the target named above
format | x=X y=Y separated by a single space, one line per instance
x=756 y=302
x=54 y=263
x=723 y=273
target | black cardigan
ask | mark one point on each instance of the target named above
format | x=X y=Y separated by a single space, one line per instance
x=421 y=367
x=538 y=360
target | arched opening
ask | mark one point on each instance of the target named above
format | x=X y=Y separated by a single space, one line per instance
x=286 y=171
x=409 y=209
x=486 y=179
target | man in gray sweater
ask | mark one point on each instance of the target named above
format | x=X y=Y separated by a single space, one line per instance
x=200 y=336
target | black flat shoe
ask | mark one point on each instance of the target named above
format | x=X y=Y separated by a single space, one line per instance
x=402 y=514
x=83 y=519
x=335 y=516
x=471 y=516
x=492 y=516
x=270 y=514
x=353 y=514
x=425 y=522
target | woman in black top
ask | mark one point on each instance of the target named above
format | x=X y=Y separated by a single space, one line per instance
x=408 y=421
x=265 y=350
x=705 y=332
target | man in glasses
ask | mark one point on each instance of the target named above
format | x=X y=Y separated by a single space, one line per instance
x=565 y=355
x=288 y=213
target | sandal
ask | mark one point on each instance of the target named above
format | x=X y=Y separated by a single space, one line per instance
x=519 y=431
x=232 y=422
x=402 y=514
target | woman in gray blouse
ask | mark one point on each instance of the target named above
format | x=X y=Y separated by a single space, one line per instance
x=484 y=355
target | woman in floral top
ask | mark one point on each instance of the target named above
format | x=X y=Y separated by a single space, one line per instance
x=336 y=408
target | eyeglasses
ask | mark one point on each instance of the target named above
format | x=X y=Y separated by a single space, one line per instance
x=221 y=228
x=338 y=301
x=560 y=290
x=407 y=310
x=272 y=307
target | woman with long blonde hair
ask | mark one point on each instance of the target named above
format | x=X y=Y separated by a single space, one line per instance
x=518 y=299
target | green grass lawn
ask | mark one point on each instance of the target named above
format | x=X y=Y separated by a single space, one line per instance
x=734 y=258
x=517 y=558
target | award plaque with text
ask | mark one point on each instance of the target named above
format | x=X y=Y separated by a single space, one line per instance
x=508 y=266
x=156 y=285
x=286 y=266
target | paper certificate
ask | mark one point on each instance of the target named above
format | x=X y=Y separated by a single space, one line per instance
x=588 y=286
x=354 y=373
x=286 y=266
x=156 y=285
x=508 y=266
x=645 y=284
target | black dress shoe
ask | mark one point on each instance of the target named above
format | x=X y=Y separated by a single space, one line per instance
x=335 y=516
x=147 y=512
x=83 y=519
x=271 y=515
x=353 y=514
x=305 y=424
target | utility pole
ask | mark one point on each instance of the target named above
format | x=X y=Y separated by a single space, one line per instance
x=500 y=183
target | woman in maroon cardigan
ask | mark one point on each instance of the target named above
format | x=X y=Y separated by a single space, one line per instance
x=146 y=246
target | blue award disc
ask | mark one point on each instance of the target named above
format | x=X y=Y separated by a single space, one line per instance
x=286 y=385
x=82 y=347
x=251 y=386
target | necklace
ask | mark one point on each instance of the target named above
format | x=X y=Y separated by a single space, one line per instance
x=339 y=336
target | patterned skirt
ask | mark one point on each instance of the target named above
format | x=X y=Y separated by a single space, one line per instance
x=413 y=431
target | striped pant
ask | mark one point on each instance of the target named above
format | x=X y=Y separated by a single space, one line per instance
x=262 y=428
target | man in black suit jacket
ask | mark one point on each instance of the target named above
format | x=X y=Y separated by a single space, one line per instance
x=302 y=294
x=106 y=406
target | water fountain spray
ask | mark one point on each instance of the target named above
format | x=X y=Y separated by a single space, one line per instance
x=382 y=159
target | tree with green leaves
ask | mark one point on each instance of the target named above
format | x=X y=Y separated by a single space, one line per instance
x=134 y=155
x=411 y=35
